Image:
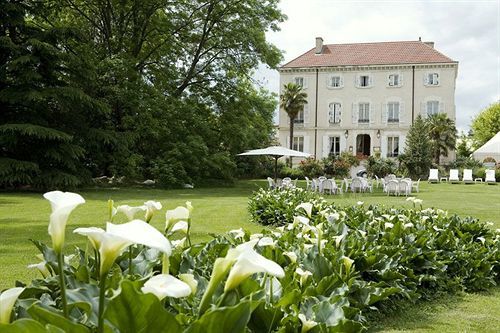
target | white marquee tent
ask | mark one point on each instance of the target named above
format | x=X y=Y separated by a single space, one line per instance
x=489 y=149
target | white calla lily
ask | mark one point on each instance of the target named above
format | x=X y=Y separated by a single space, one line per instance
x=303 y=275
x=151 y=208
x=307 y=207
x=140 y=232
x=300 y=220
x=62 y=204
x=348 y=262
x=338 y=240
x=332 y=217
x=388 y=225
x=291 y=255
x=189 y=206
x=130 y=211
x=237 y=233
x=42 y=268
x=179 y=243
x=182 y=226
x=175 y=215
x=256 y=236
x=266 y=241
x=7 y=300
x=250 y=262
x=190 y=281
x=307 y=325
x=165 y=285
x=273 y=288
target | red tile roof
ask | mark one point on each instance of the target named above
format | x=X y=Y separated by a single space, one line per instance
x=384 y=53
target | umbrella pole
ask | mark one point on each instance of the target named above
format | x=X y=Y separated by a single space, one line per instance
x=276 y=168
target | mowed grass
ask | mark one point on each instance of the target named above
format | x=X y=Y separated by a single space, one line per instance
x=25 y=216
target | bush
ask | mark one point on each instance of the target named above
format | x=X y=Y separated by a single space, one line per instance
x=276 y=207
x=464 y=163
x=311 y=167
x=380 y=167
x=291 y=172
x=339 y=166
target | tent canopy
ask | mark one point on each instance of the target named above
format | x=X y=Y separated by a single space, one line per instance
x=489 y=149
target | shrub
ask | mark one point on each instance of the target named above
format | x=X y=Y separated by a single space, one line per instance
x=380 y=167
x=291 y=172
x=311 y=167
x=339 y=166
x=276 y=207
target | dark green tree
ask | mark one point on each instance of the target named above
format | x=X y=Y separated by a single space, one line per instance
x=417 y=158
x=292 y=100
x=442 y=134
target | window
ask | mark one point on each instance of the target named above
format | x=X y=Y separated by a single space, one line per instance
x=364 y=81
x=335 y=82
x=334 y=145
x=432 y=107
x=364 y=113
x=334 y=113
x=298 y=143
x=300 y=81
x=394 y=80
x=393 y=112
x=432 y=79
x=299 y=119
x=392 y=146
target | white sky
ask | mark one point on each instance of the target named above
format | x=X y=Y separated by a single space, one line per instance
x=465 y=30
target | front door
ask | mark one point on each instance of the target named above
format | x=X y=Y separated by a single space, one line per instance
x=363 y=145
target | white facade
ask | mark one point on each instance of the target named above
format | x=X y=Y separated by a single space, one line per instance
x=377 y=101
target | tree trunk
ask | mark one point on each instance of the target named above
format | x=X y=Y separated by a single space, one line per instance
x=291 y=137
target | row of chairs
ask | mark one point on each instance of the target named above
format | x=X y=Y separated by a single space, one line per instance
x=466 y=176
x=286 y=182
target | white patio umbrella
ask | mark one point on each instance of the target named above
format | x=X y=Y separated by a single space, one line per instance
x=276 y=152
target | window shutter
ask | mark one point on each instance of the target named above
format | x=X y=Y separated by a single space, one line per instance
x=306 y=114
x=343 y=143
x=326 y=145
x=306 y=144
x=356 y=80
x=402 y=144
x=441 y=107
x=389 y=81
x=383 y=148
x=304 y=85
x=402 y=115
x=338 y=114
x=370 y=81
x=371 y=116
x=355 y=112
x=330 y=113
x=401 y=79
x=426 y=79
x=423 y=109
x=385 y=112
x=341 y=81
x=437 y=79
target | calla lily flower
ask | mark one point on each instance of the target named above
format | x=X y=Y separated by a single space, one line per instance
x=300 y=220
x=42 y=268
x=332 y=217
x=175 y=215
x=7 y=300
x=250 y=262
x=303 y=274
x=347 y=263
x=307 y=206
x=189 y=206
x=266 y=241
x=360 y=203
x=190 y=281
x=151 y=207
x=291 y=255
x=307 y=325
x=116 y=238
x=256 y=236
x=130 y=211
x=338 y=239
x=276 y=288
x=164 y=285
x=237 y=233
x=179 y=243
x=180 y=226
x=388 y=225
x=62 y=204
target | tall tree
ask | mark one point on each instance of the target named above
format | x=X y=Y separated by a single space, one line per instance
x=486 y=124
x=292 y=101
x=417 y=158
x=442 y=134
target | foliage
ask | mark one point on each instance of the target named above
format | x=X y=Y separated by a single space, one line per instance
x=417 y=158
x=292 y=100
x=339 y=266
x=465 y=163
x=486 y=124
x=133 y=89
x=339 y=165
x=276 y=207
x=442 y=134
x=311 y=167
x=380 y=167
x=464 y=146
x=291 y=172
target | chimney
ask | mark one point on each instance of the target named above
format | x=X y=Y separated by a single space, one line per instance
x=319 y=45
x=431 y=44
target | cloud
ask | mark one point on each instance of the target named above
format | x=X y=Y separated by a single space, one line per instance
x=466 y=31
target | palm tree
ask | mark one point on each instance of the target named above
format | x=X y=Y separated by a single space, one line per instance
x=292 y=101
x=442 y=135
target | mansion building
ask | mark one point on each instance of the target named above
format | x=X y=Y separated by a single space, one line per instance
x=363 y=97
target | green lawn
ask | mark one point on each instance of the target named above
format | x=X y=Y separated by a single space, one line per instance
x=25 y=215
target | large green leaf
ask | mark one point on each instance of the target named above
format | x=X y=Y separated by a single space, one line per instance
x=22 y=326
x=49 y=316
x=134 y=312
x=232 y=319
